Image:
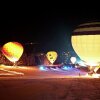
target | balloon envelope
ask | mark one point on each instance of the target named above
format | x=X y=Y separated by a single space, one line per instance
x=73 y=60
x=12 y=51
x=52 y=56
x=86 y=42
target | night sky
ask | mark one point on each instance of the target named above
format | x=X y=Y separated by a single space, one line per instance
x=50 y=29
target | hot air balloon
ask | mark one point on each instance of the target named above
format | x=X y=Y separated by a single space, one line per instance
x=12 y=51
x=86 y=42
x=73 y=60
x=52 y=56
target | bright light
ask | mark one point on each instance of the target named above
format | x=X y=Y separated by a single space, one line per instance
x=73 y=60
x=66 y=67
x=42 y=67
x=92 y=64
x=96 y=68
x=94 y=75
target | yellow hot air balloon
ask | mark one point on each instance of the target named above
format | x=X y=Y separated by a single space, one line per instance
x=86 y=42
x=52 y=56
x=12 y=51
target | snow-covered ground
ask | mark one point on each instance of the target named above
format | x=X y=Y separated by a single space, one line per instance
x=36 y=72
x=30 y=83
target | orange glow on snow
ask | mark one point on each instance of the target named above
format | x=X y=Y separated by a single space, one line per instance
x=95 y=75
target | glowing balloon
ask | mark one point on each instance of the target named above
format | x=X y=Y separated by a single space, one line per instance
x=12 y=51
x=73 y=60
x=52 y=56
x=86 y=42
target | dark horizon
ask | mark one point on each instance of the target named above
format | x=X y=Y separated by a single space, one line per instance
x=50 y=29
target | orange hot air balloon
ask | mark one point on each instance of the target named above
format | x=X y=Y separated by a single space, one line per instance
x=52 y=56
x=12 y=51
